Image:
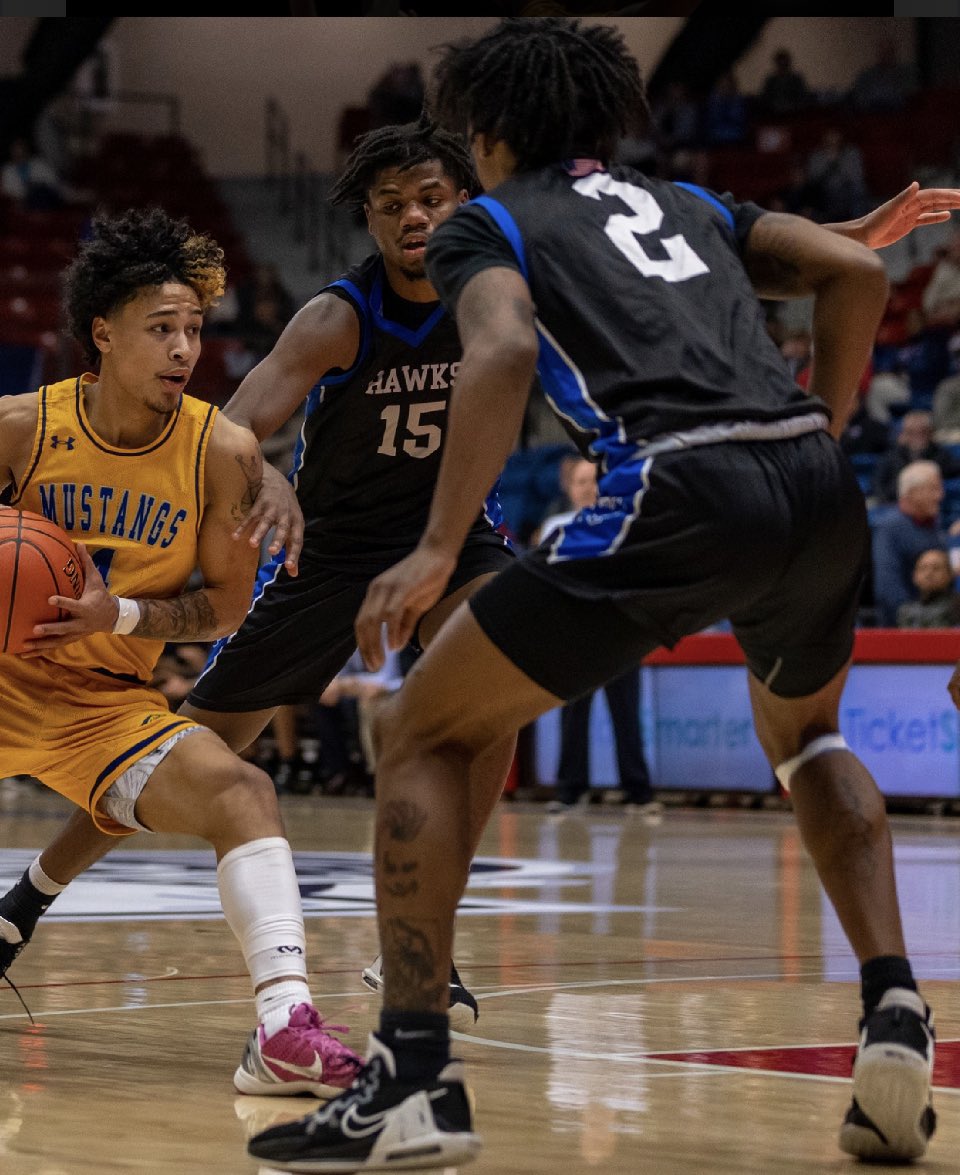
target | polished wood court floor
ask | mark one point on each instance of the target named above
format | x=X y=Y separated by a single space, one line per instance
x=662 y=998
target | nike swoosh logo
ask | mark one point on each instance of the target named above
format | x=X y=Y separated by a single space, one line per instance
x=313 y=1072
x=356 y=1125
x=10 y=933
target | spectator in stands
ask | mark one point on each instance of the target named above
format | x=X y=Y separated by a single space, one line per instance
x=725 y=113
x=914 y=442
x=924 y=358
x=264 y=301
x=397 y=96
x=676 y=118
x=622 y=694
x=177 y=670
x=946 y=399
x=887 y=84
x=797 y=195
x=797 y=350
x=29 y=180
x=835 y=175
x=899 y=536
x=863 y=434
x=941 y=294
x=938 y=603
x=785 y=89
x=576 y=480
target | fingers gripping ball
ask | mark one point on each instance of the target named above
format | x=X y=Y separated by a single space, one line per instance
x=37 y=560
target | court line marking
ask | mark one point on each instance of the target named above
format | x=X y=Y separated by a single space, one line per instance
x=672 y=1068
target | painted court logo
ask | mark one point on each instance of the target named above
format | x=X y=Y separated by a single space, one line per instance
x=177 y=885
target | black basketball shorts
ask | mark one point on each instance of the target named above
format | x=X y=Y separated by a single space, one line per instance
x=771 y=535
x=298 y=634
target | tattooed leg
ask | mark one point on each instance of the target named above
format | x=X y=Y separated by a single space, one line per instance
x=456 y=707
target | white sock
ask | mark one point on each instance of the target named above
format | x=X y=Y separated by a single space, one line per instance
x=39 y=880
x=261 y=902
x=274 y=1004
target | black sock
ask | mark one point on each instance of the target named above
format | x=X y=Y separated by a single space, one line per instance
x=878 y=975
x=24 y=904
x=419 y=1041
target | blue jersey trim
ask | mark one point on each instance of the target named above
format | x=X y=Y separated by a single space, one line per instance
x=599 y=530
x=696 y=190
x=562 y=384
x=315 y=395
x=508 y=226
x=413 y=337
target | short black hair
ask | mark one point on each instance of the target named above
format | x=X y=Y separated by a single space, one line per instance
x=551 y=88
x=403 y=146
x=128 y=252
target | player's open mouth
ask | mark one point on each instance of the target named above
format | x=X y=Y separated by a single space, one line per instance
x=415 y=246
x=176 y=380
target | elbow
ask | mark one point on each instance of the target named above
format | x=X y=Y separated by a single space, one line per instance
x=512 y=356
x=869 y=275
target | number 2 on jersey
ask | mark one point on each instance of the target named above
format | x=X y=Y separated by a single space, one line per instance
x=421 y=439
x=646 y=218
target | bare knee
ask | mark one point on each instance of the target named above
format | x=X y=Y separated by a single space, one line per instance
x=401 y=732
x=238 y=801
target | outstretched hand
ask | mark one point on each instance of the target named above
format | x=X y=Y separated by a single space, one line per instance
x=398 y=598
x=276 y=506
x=909 y=209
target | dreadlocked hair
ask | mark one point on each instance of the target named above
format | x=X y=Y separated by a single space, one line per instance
x=126 y=253
x=403 y=146
x=552 y=88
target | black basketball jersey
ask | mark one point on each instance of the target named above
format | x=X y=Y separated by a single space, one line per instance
x=647 y=321
x=368 y=455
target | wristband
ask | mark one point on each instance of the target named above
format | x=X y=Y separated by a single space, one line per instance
x=127 y=618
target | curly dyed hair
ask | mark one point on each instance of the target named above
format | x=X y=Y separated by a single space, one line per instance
x=126 y=253
x=551 y=88
x=402 y=146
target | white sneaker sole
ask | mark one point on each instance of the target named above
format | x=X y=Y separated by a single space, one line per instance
x=439 y=1149
x=244 y=1082
x=892 y=1086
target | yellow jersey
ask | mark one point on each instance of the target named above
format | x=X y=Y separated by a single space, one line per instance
x=137 y=511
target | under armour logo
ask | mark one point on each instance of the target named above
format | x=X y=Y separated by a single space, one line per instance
x=290 y=950
x=56 y=442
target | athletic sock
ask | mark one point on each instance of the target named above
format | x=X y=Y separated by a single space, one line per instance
x=419 y=1041
x=878 y=975
x=28 y=901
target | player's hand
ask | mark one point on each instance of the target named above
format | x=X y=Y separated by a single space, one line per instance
x=276 y=507
x=95 y=611
x=953 y=686
x=397 y=599
x=913 y=207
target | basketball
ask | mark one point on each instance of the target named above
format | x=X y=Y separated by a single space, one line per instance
x=37 y=560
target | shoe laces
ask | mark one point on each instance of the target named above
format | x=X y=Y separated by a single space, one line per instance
x=16 y=992
x=338 y=1059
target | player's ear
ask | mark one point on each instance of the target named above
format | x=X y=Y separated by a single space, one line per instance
x=101 y=334
x=463 y=196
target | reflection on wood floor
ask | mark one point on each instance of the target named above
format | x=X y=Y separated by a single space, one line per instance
x=657 y=997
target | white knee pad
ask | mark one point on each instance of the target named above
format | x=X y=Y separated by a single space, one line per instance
x=789 y=767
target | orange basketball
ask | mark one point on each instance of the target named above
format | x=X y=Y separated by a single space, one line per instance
x=37 y=560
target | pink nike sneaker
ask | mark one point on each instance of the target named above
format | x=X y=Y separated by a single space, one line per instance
x=304 y=1057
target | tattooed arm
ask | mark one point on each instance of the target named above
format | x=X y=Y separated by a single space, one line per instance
x=234 y=469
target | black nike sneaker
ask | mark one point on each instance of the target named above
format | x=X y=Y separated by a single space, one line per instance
x=20 y=910
x=891 y=1118
x=379 y=1124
